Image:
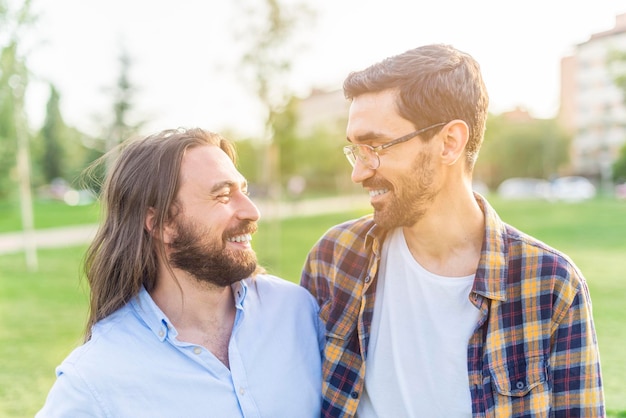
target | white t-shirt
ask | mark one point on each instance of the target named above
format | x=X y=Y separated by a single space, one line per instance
x=417 y=356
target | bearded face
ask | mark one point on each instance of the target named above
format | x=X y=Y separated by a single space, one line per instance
x=208 y=257
x=410 y=197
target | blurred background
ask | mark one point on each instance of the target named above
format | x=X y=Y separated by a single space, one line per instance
x=77 y=78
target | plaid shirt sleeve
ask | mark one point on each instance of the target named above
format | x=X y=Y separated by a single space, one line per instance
x=575 y=360
x=340 y=272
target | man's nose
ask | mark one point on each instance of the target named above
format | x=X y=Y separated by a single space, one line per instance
x=361 y=172
x=248 y=210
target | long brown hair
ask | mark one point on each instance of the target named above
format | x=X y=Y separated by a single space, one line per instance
x=123 y=254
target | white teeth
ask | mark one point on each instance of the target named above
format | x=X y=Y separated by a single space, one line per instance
x=240 y=238
x=378 y=192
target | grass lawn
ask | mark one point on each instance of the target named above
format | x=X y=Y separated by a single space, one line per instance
x=47 y=214
x=43 y=313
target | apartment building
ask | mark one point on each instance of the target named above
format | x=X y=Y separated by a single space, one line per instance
x=592 y=107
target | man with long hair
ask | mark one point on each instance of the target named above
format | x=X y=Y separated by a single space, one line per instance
x=434 y=307
x=182 y=320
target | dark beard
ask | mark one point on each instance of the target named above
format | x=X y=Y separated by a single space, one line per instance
x=210 y=261
x=417 y=194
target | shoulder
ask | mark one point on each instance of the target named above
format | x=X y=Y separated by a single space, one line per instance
x=353 y=228
x=536 y=269
x=524 y=256
x=522 y=246
x=346 y=237
x=110 y=337
x=282 y=302
x=267 y=285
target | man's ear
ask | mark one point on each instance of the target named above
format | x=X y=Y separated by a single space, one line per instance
x=456 y=136
x=149 y=225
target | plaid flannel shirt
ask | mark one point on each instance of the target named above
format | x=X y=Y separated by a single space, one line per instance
x=533 y=353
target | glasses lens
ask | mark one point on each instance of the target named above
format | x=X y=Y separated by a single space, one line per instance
x=349 y=152
x=364 y=153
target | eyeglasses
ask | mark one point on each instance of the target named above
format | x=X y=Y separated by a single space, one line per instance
x=368 y=155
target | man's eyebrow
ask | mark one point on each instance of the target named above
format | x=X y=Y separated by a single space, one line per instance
x=222 y=185
x=370 y=136
x=228 y=184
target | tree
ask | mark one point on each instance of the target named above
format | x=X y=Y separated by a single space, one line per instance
x=59 y=151
x=617 y=67
x=120 y=125
x=13 y=84
x=52 y=133
x=8 y=144
x=619 y=166
x=123 y=104
x=286 y=139
x=534 y=148
x=268 y=35
x=13 y=69
x=616 y=61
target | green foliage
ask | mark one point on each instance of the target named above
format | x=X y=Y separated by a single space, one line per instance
x=10 y=70
x=266 y=33
x=616 y=61
x=619 y=166
x=249 y=152
x=285 y=137
x=317 y=157
x=534 y=148
x=323 y=164
x=617 y=66
x=52 y=134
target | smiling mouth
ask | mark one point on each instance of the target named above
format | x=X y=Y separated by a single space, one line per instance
x=243 y=238
x=377 y=192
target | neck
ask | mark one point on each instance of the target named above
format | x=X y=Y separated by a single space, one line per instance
x=448 y=240
x=202 y=313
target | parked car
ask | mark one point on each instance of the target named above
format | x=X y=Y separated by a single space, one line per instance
x=524 y=188
x=572 y=189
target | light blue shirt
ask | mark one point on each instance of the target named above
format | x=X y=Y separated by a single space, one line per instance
x=134 y=366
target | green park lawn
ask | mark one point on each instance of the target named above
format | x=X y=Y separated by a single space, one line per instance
x=47 y=214
x=43 y=313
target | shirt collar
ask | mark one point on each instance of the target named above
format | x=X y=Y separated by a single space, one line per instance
x=374 y=239
x=240 y=290
x=160 y=324
x=152 y=315
x=492 y=272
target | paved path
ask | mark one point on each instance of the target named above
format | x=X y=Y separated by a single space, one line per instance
x=76 y=235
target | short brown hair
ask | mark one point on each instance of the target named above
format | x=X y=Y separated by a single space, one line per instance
x=435 y=83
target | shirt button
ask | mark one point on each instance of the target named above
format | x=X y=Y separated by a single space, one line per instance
x=354 y=394
x=519 y=384
x=242 y=391
x=197 y=350
x=161 y=333
x=367 y=279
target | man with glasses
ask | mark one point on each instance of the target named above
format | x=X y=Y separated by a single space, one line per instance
x=433 y=306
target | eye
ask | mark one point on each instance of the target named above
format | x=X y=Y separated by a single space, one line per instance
x=223 y=197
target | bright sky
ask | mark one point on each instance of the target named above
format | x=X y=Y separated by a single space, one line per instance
x=183 y=60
